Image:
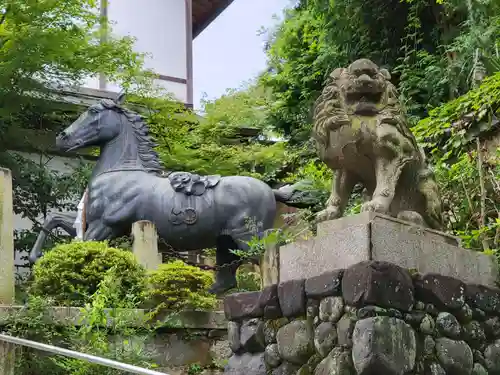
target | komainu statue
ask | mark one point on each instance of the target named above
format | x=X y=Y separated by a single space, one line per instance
x=362 y=133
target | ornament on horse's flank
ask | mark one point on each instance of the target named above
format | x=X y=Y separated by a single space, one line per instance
x=186 y=215
x=192 y=184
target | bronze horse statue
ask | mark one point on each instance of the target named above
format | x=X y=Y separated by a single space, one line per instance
x=191 y=212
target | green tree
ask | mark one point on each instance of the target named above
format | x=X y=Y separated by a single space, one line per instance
x=47 y=45
x=232 y=137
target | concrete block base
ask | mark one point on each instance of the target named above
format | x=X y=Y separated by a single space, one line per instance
x=344 y=242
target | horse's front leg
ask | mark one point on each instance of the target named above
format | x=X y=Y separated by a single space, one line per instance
x=98 y=231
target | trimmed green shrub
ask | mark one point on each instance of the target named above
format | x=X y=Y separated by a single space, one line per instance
x=71 y=273
x=177 y=286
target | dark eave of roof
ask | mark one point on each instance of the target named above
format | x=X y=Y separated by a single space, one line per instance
x=205 y=11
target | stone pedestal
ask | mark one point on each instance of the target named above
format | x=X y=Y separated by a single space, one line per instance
x=344 y=242
x=7 y=277
x=145 y=244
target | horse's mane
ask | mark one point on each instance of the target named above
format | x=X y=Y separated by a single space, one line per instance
x=145 y=144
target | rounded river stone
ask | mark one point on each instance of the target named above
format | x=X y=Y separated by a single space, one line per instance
x=383 y=345
x=492 y=357
x=337 y=362
x=448 y=325
x=295 y=342
x=427 y=325
x=331 y=309
x=455 y=356
x=272 y=356
x=325 y=338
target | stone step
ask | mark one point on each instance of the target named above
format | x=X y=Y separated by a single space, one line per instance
x=344 y=242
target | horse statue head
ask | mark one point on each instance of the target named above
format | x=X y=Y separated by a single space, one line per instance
x=121 y=134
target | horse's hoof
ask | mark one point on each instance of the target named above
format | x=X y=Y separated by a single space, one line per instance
x=219 y=288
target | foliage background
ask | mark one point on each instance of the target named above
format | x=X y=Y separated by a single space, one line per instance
x=443 y=56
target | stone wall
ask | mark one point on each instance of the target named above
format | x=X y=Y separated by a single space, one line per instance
x=371 y=318
x=184 y=339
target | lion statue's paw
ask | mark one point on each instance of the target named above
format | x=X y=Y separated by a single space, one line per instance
x=412 y=217
x=329 y=213
x=374 y=206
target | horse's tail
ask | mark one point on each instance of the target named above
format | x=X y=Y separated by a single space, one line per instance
x=299 y=195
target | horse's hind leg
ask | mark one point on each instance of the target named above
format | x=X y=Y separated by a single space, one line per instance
x=227 y=265
x=55 y=220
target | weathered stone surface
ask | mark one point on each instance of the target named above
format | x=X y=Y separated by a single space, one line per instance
x=246 y=364
x=350 y=310
x=442 y=291
x=346 y=241
x=325 y=285
x=270 y=303
x=492 y=358
x=240 y=306
x=233 y=336
x=478 y=357
x=474 y=334
x=455 y=356
x=428 y=346
x=465 y=314
x=313 y=362
x=371 y=311
x=484 y=298
x=414 y=318
x=286 y=368
x=436 y=369
x=272 y=356
x=478 y=369
x=383 y=345
x=337 y=362
x=270 y=331
x=378 y=283
x=448 y=325
x=308 y=368
x=295 y=342
x=331 y=309
x=345 y=327
x=478 y=314
x=312 y=310
x=292 y=298
x=419 y=367
x=252 y=336
x=492 y=327
x=419 y=305
x=325 y=338
x=431 y=309
x=427 y=325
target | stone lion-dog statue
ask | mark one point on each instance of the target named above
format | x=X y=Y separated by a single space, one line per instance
x=361 y=133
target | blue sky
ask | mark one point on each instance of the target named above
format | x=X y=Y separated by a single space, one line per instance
x=230 y=51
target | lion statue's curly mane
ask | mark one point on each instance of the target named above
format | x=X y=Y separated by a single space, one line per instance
x=361 y=131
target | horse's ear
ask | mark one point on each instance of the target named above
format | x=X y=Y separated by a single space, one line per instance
x=121 y=99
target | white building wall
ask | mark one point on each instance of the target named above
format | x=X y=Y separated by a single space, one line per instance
x=159 y=27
